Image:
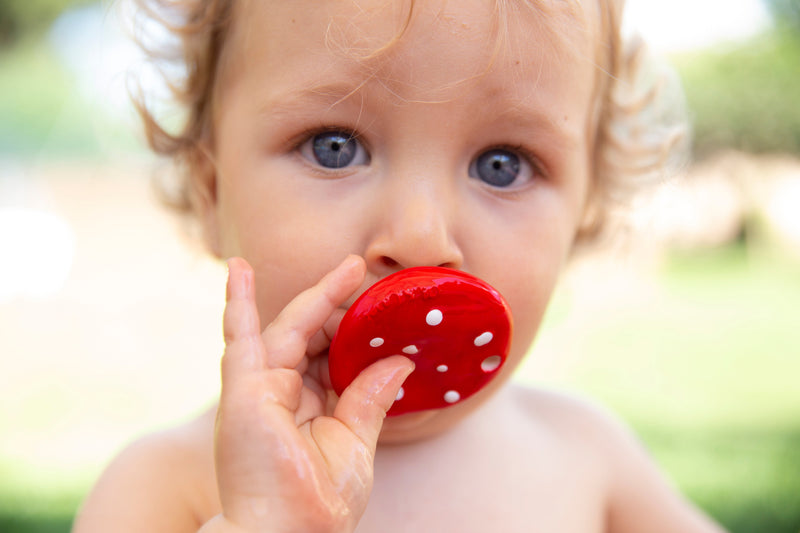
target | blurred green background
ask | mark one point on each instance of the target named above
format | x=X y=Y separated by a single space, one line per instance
x=694 y=342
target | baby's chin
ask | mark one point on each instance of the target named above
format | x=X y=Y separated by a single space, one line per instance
x=410 y=427
x=421 y=425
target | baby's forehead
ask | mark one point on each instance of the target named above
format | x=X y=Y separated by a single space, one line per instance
x=433 y=47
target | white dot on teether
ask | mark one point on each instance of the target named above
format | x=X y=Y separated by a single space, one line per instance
x=442 y=368
x=491 y=363
x=410 y=349
x=377 y=341
x=434 y=317
x=400 y=394
x=484 y=338
x=452 y=396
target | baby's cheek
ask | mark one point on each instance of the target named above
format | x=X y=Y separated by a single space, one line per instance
x=528 y=314
x=272 y=295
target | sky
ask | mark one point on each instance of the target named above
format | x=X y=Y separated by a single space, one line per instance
x=681 y=25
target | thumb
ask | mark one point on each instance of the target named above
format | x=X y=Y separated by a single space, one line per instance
x=363 y=404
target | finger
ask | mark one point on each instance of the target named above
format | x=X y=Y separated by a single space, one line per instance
x=318 y=370
x=286 y=338
x=244 y=349
x=321 y=339
x=313 y=401
x=363 y=404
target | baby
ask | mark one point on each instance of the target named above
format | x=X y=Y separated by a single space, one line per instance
x=329 y=144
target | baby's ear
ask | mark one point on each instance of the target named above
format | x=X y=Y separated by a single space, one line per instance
x=203 y=178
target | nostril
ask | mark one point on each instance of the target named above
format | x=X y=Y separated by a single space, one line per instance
x=392 y=264
x=389 y=262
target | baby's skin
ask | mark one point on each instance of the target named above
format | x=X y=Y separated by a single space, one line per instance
x=350 y=142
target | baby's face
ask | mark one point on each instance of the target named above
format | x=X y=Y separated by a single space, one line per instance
x=441 y=149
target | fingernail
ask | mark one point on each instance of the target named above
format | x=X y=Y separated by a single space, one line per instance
x=395 y=373
x=405 y=371
x=239 y=280
x=228 y=282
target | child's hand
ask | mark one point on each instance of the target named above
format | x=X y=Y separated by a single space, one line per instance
x=282 y=465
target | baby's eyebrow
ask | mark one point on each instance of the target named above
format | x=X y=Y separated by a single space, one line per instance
x=518 y=113
x=542 y=126
x=295 y=101
x=495 y=104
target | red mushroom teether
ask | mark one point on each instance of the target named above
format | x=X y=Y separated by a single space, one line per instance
x=454 y=326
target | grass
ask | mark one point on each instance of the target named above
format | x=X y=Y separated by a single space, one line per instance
x=34 y=502
x=747 y=479
x=719 y=341
x=26 y=512
x=737 y=452
x=13 y=523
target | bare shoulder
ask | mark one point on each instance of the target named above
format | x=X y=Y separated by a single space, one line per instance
x=574 y=423
x=564 y=412
x=577 y=431
x=638 y=496
x=161 y=482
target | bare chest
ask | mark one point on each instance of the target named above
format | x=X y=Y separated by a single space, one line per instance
x=493 y=485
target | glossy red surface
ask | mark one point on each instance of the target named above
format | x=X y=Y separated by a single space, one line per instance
x=450 y=365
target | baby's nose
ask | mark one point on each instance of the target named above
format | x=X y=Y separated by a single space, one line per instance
x=414 y=226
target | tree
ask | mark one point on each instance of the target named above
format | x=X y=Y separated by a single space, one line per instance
x=786 y=13
x=20 y=17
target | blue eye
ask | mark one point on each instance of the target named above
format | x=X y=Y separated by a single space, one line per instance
x=334 y=149
x=498 y=167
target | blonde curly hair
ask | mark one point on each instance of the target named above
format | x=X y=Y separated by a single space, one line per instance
x=641 y=133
